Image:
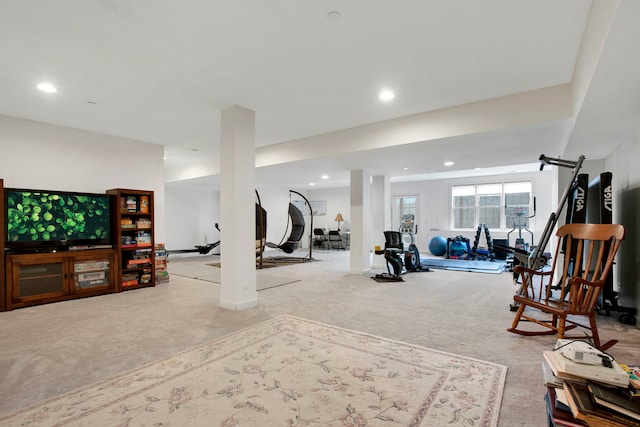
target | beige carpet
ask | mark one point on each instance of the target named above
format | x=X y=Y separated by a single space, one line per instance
x=288 y=371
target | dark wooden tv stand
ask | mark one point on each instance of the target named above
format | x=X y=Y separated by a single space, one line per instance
x=41 y=278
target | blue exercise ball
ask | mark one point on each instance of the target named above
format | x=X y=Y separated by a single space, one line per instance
x=438 y=246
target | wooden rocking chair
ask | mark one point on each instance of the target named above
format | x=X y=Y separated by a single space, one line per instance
x=589 y=252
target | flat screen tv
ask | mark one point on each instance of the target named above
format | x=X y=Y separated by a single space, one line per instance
x=43 y=219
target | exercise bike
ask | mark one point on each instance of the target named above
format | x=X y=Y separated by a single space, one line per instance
x=398 y=259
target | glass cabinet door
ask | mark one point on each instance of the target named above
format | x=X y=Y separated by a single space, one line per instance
x=39 y=279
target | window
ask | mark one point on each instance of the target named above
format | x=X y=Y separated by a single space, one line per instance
x=517 y=200
x=400 y=206
x=464 y=206
x=489 y=204
x=473 y=205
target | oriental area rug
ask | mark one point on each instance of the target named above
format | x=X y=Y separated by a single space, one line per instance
x=288 y=371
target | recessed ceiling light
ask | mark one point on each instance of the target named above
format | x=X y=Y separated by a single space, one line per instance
x=47 y=87
x=386 y=95
x=325 y=177
x=405 y=169
x=312 y=184
x=449 y=163
x=334 y=15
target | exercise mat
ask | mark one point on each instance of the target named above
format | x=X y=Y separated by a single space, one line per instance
x=491 y=267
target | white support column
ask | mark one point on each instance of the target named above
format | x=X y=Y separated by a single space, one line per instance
x=360 y=259
x=380 y=213
x=237 y=211
x=380 y=207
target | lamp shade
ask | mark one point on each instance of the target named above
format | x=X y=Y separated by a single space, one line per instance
x=339 y=217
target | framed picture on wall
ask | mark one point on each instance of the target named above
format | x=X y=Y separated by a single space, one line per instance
x=319 y=208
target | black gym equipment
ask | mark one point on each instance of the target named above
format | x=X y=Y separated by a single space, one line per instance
x=520 y=222
x=600 y=210
x=398 y=259
x=200 y=249
x=482 y=255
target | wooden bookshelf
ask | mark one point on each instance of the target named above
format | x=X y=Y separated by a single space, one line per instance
x=133 y=228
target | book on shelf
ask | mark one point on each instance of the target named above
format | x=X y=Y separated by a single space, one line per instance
x=616 y=399
x=139 y=261
x=143 y=223
x=144 y=204
x=584 y=409
x=82 y=266
x=132 y=204
x=567 y=369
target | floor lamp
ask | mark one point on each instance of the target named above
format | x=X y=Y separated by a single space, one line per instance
x=340 y=219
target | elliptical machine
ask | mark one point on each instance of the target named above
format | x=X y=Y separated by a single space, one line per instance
x=520 y=222
x=408 y=228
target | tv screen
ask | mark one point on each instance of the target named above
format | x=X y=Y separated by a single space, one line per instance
x=55 y=218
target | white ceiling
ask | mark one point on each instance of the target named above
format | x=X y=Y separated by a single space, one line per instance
x=490 y=84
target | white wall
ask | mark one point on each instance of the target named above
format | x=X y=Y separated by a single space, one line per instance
x=338 y=201
x=45 y=157
x=191 y=213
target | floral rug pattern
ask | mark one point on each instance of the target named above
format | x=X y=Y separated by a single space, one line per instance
x=288 y=371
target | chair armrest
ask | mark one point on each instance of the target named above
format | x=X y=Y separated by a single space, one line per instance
x=584 y=294
x=579 y=280
x=523 y=271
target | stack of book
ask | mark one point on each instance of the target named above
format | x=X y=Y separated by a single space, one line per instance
x=162 y=260
x=129 y=280
x=580 y=394
x=634 y=378
x=132 y=204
